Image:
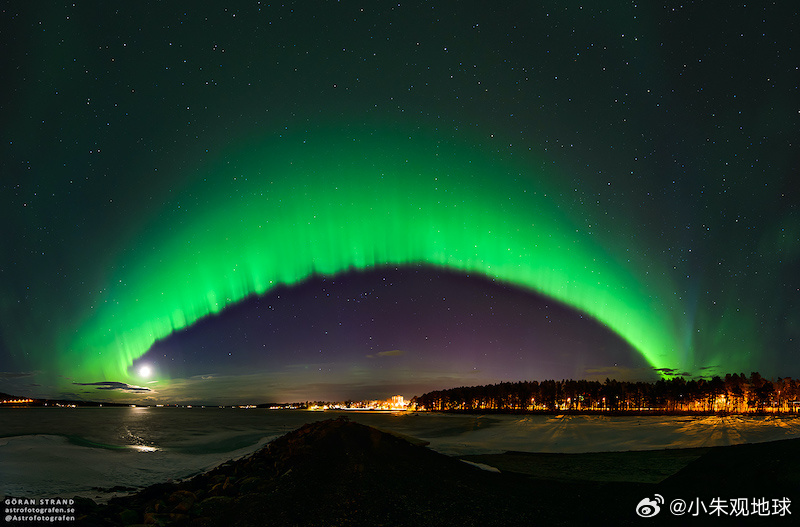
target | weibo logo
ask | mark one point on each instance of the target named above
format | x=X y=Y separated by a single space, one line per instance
x=648 y=508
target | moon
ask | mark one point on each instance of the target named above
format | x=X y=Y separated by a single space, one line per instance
x=145 y=370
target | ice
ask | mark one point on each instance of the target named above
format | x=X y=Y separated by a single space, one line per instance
x=50 y=466
x=481 y=466
x=138 y=447
x=589 y=433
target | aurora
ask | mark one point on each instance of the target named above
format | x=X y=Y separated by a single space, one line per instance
x=320 y=205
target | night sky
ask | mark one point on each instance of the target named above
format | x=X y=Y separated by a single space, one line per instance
x=332 y=200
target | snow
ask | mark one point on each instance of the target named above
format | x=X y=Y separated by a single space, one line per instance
x=589 y=433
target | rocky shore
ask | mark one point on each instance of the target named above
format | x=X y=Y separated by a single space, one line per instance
x=333 y=472
x=337 y=472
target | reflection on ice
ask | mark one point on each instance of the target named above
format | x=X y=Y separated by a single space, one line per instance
x=144 y=448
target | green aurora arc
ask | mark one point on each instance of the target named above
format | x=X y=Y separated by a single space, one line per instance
x=325 y=203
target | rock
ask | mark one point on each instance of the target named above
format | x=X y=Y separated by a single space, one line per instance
x=178 y=519
x=84 y=505
x=249 y=484
x=182 y=501
x=181 y=495
x=129 y=517
x=214 y=505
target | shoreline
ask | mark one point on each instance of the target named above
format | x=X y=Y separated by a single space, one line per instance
x=338 y=472
x=620 y=458
x=612 y=413
x=485 y=411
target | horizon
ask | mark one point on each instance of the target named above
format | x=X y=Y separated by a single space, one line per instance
x=745 y=380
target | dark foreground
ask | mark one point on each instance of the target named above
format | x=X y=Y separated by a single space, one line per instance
x=337 y=472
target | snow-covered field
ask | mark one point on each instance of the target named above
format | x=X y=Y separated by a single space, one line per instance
x=586 y=433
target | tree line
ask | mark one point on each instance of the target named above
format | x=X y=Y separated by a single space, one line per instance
x=735 y=393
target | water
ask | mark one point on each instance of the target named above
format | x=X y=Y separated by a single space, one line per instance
x=49 y=452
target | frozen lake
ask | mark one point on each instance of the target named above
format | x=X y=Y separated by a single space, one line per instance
x=49 y=452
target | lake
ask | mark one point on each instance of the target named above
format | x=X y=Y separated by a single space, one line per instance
x=50 y=452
